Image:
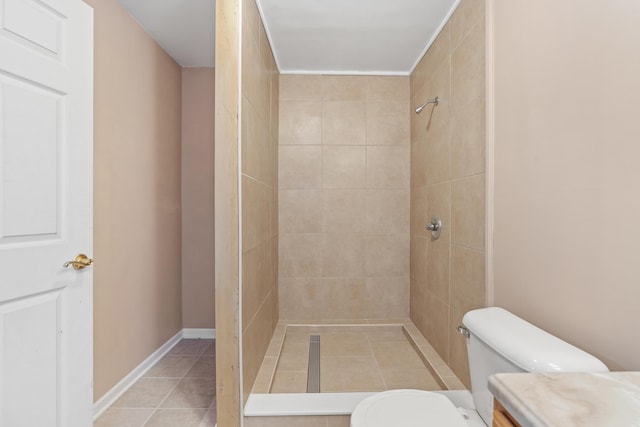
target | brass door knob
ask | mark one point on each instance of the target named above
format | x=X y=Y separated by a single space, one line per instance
x=79 y=262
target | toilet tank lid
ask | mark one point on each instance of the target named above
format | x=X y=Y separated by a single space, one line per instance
x=527 y=346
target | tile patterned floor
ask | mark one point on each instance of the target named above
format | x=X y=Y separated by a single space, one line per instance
x=179 y=390
x=369 y=360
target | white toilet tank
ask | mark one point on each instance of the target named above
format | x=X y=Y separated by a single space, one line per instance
x=502 y=342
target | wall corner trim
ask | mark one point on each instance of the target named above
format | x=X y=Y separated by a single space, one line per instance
x=118 y=390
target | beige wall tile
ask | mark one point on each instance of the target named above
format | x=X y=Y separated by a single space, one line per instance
x=300 y=167
x=300 y=255
x=343 y=255
x=438 y=325
x=343 y=211
x=388 y=123
x=466 y=16
x=418 y=260
x=256 y=279
x=438 y=270
x=387 y=211
x=344 y=88
x=468 y=68
x=300 y=211
x=468 y=139
x=418 y=306
x=383 y=88
x=256 y=220
x=419 y=163
x=300 y=88
x=343 y=167
x=299 y=298
x=438 y=155
x=346 y=298
x=387 y=254
x=343 y=123
x=388 y=297
x=419 y=211
x=251 y=70
x=388 y=167
x=300 y=123
x=468 y=212
x=467 y=278
x=255 y=144
x=255 y=340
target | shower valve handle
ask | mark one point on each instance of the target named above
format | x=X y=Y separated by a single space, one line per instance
x=435 y=226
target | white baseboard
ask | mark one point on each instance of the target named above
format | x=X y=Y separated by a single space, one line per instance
x=112 y=395
x=208 y=334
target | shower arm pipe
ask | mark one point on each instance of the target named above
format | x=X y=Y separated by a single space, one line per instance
x=434 y=101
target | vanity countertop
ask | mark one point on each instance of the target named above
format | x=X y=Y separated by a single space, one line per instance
x=609 y=399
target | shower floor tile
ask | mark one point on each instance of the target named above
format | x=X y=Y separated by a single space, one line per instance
x=353 y=358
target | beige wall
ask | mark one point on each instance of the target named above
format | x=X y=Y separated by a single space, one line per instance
x=448 y=181
x=344 y=197
x=137 y=303
x=567 y=195
x=259 y=193
x=198 y=292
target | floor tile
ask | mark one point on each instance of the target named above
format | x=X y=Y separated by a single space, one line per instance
x=205 y=367
x=192 y=393
x=399 y=355
x=387 y=335
x=344 y=345
x=210 y=417
x=176 y=418
x=121 y=417
x=419 y=379
x=191 y=347
x=146 y=393
x=289 y=382
x=342 y=374
x=211 y=350
x=172 y=366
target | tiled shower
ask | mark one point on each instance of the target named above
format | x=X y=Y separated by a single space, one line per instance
x=358 y=175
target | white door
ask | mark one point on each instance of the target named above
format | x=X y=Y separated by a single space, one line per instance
x=46 y=149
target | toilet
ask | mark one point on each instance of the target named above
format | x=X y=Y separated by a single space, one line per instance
x=497 y=341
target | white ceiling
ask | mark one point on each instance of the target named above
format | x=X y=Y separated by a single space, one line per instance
x=184 y=28
x=307 y=36
x=352 y=36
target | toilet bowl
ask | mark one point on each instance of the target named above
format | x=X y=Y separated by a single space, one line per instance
x=497 y=341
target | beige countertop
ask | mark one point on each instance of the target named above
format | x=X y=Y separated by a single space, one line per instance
x=609 y=399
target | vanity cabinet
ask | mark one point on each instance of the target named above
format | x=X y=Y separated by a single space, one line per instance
x=501 y=417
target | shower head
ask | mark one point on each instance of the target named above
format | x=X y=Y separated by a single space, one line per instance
x=434 y=101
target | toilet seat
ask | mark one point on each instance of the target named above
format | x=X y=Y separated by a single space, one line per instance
x=406 y=408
